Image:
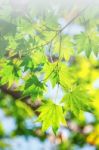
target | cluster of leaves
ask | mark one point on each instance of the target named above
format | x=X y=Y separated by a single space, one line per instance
x=34 y=53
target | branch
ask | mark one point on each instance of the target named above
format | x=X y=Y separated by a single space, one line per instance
x=17 y=95
x=57 y=32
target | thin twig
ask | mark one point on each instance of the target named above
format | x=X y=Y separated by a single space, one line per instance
x=59 y=31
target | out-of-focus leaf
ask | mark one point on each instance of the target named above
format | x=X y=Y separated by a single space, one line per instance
x=77 y=99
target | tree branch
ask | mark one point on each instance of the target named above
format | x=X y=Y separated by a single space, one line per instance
x=17 y=95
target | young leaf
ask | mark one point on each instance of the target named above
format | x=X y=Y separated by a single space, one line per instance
x=51 y=73
x=7 y=74
x=77 y=99
x=27 y=63
x=33 y=87
x=51 y=115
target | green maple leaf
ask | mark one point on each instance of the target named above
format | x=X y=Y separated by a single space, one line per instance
x=33 y=87
x=83 y=44
x=8 y=74
x=51 y=115
x=27 y=63
x=76 y=100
